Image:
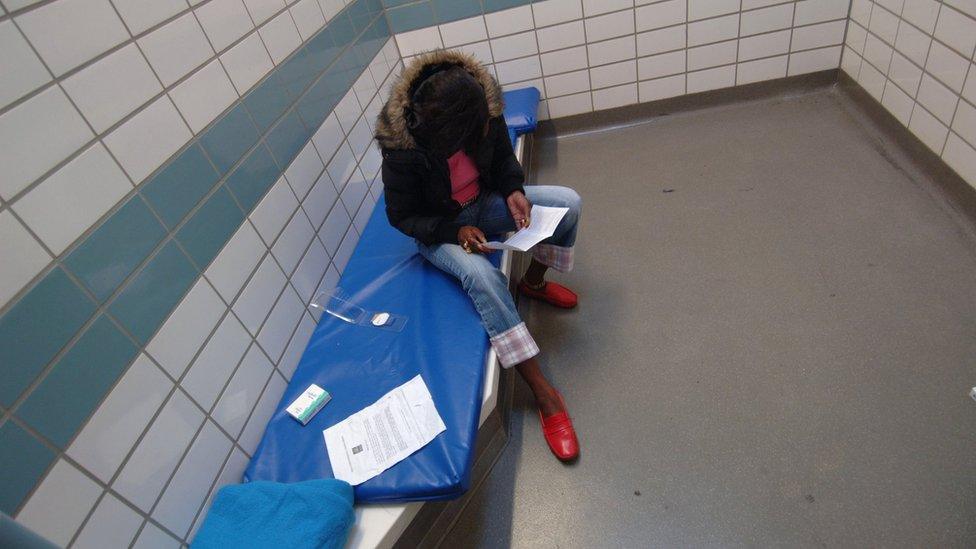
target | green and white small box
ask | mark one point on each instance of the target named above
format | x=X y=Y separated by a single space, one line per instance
x=309 y=403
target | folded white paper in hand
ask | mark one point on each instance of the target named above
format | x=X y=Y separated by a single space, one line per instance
x=384 y=433
x=542 y=224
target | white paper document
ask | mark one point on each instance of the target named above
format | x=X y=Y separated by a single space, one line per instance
x=542 y=223
x=384 y=433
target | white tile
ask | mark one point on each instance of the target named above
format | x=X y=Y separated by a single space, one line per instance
x=938 y=99
x=319 y=201
x=224 y=21
x=360 y=137
x=721 y=77
x=508 y=21
x=235 y=262
x=662 y=88
x=354 y=192
x=913 y=43
x=947 y=66
x=247 y=62
x=700 y=9
x=281 y=323
x=893 y=6
x=610 y=51
x=254 y=429
x=308 y=16
x=328 y=137
x=147 y=139
x=293 y=242
x=856 y=35
x=883 y=23
x=328 y=284
x=65 y=204
x=965 y=121
x=158 y=453
x=967 y=6
x=348 y=110
x=921 y=13
x=611 y=25
x=816 y=36
x=15 y=241
x=613 y=75
x=661 y=40
x=897 y=103
x=861 y=11
x=21 y=68
x=713 y=30
x=596 y=7
x=957 y=30
x=243 y=391
x=341 y=166
x=904 y=73
x=260 y=294
x=662 y=14
x=764 y=45
x=961 y=157
x=871 y=80
x=711 y=55
x=139 y=15
x=293 y=353
x=877 y=53
x=480 y=50
x=113 y=87
x=36 y=135
x=567 y=83
x=69 y=32
x=767 y=19
x=815 y=11
x=274 y=211
x=345 y=250
x=814 y=60
x=851 y=63
x=552 y=12
x=618 y=96
x=152 y=537
x=969 y=90
x=361 y=219
x=113 y=524
x=192 y=481
x=60 y=504
x=204 y=95
x=334 y=228
x=281 y=37
x=304 y=170
x=372 y=161
x=176 y=48
x=570 y=104
x=186 y=329
x=310 y=271
x=564 y=60
x=216 y=362
x=232 y=473
x=464 y=31
x=664 y=64
x=513 y=46
x=761 y=69
x=417 y=41
x=261 y=10
x=928 y=129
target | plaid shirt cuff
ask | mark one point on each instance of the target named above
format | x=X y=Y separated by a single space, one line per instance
x=514 y=346
x=556 y=257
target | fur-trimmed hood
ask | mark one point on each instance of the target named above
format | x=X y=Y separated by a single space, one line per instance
x=391 y=124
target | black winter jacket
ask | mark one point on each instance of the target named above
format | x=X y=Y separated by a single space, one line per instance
x=416 y=184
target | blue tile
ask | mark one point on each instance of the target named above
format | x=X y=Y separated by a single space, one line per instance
x=23 y=459
x=316 y=105
x=116 y=248
x=322 y=50
x=211 y=226
x=495 y=5
x=342 y=30
x=268 y=101
x=411 y=16
x=360 y=13
x=287 y=138
x=149 y=297
x=177 y=188
x=253 y=178
x=394 y=3
x=452 y=10
x=297 y=73
x=230 y=138
x=61 y=404
x=36 y=328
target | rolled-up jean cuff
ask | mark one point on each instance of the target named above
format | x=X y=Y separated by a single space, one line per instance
x=514 y=346
x=556 y=257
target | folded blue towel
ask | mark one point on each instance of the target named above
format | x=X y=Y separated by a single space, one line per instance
x=314 y=513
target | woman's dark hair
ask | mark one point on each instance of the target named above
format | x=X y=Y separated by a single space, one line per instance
x=449 y=110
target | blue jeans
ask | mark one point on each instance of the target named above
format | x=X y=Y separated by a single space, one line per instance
x=487 y=285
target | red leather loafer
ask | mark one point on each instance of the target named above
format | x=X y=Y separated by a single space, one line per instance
x=560 y=434
x=554 y=294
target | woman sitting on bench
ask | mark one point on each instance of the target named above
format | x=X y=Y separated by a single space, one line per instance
x=450 y=177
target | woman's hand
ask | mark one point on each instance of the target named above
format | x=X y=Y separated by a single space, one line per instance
x=520 y=208
x=472 y=239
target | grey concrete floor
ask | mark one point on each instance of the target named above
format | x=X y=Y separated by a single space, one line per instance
x=775 y=353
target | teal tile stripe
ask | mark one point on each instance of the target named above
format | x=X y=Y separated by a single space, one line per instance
x=408 y=15
x=200 y=197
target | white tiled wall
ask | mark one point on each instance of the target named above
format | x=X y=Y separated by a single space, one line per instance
x=94 y=96
x=589 y=55
x=916 y=58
